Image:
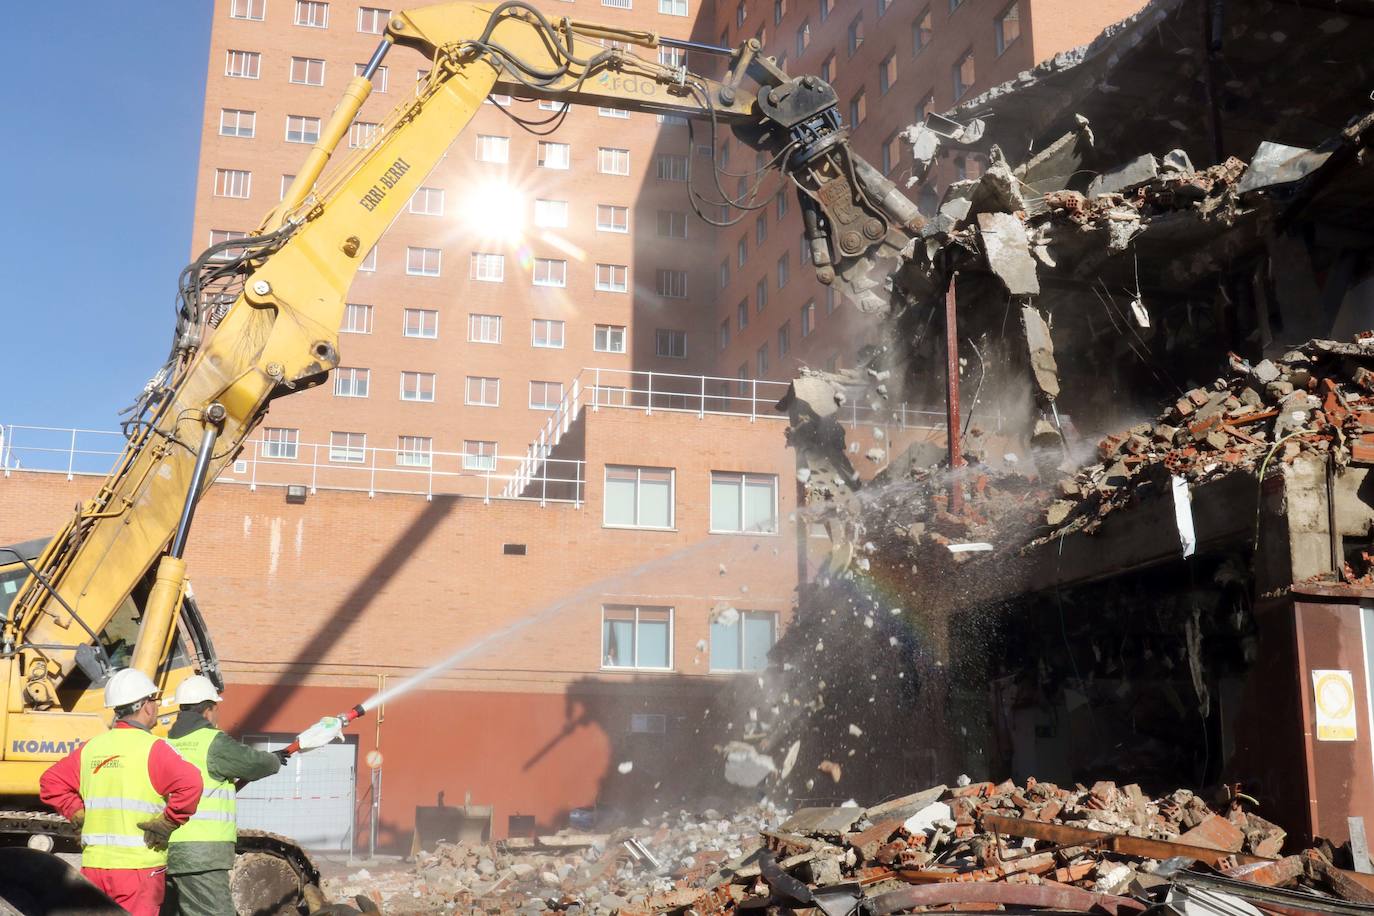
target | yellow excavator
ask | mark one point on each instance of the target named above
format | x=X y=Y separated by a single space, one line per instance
x=258 y=319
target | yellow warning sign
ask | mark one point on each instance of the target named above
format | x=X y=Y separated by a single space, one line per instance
x=1334 y=693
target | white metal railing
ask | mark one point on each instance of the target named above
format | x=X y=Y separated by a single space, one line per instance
x=703 y=395
x=317 y=466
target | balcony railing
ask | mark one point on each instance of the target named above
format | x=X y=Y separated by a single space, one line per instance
x=317 y=466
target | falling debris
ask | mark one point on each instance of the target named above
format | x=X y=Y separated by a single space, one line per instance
x=625 y=767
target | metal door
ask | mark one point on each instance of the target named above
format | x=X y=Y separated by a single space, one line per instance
x=310 y=799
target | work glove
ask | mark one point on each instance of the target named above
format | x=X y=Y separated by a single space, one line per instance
x=156 y=831
x=78 y=818
x=282 y=755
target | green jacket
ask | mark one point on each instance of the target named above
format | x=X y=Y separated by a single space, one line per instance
x=230 y=760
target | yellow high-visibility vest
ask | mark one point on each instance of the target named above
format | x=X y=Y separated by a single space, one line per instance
x=118 y=794
x=215 y=821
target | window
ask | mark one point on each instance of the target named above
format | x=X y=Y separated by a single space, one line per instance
x=887 y=73
x=741 y=14
x=784 y=339
x=489 y=268
x=499 y=99
x=611 y=218
x=761 y=229
x=482 y=391
x=858 y=109
x=550 y=272
x=784 y=269
x=856 y=34
x=357 y=319
x=672 y=7
x=614 y=278
x=670 y=344
x=672 y=224
x=302 y=129
x=742 y=314
x=279 y=442
x=892 y=153
x=925 y=107
x=372 y=20
x=619 y=4
x=761 y=295
x=551 y=214
x=723 y=335
x=428 y=202
x=670 y=168
x=884 y=6
x=248 y=9
x=638 y=497
x=351 y=383
x=955 y=4
x=369 y=261
x=921 y=32
x=219 y=236
x=671 y=284
x=832 y=301
x=637 y=637
x=782 y=204
x=742 y=373
x=414 y=451
x=609 y=338
x=493 y=149
x=620 y=113
x=546 y=332
x=808 y=319
x=233 y=182
x=307 y=71
x=423 y=262
x=1008 y=27
x=417 y=386
x=479 y=455
x=740 y=641
x=960 y=168
x=761 y=361
x=612 y=161
x=484 y=328
x=723 y=274
x=826 y=6
x=803 y=37
x=348 y=447
x=744 y=503
x=742 y=252
x=379 y=79
x=422 y=323
x=779 y=10
x=551 y=105
x=285 y=186
x=672 y=57
x=553 y=155
x=361 y=133
x=963 y=74
x=235 y=122
x=242 y=64
x=545 y=395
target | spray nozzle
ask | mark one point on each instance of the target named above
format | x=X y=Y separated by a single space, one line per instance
x=327 y=730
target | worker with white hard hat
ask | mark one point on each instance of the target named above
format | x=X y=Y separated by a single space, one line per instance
x=126 y=790
x=202 y=851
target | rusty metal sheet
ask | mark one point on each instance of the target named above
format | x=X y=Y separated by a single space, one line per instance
x=1042 y=896
x=1110 y=842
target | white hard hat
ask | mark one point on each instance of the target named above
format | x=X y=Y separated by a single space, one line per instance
x=196 y=689
x=127 y=686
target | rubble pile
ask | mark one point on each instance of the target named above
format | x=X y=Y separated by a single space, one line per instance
x=1316 y=400
x=1100 y=848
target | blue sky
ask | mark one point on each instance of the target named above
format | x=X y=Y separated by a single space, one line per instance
x=104 y=111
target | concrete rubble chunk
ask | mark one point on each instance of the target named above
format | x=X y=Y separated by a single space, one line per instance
x=1008 y=252
x=1138 y=171
x=822 y=822
x=1041 y=350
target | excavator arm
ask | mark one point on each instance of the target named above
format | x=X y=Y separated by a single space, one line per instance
x=259 y=316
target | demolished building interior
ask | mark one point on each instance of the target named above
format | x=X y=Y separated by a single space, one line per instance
x=1175 y=216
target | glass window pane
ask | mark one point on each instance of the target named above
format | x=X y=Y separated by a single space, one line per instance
x=758 y=639
x=620 y=496
x=655 y=498
x=654 y=638
x=725 y=508
x=618 y=648
x=725 y=646
x=759 y=503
